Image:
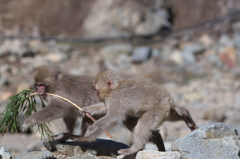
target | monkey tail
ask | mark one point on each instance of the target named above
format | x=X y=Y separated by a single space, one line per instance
x=180 y=113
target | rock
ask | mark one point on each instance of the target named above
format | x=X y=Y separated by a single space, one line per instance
x=228 y=57
x=4 y=154
x=4 y=81
x=190 y=50
x=116 y=56
x=37 y=155
x=154 y=21
x=206 y=40
x=150 y=154
x=236 y=41
x=69 y=150
x=84 y=156
x=225 y=41
x=216 y=141
x=56 y=57
x=111 y=51
x=141 y=54
x=100 y=147
x=176 y=57
x=125 y=18
x=17 y=47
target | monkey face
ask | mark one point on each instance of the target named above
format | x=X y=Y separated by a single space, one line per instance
x=41 y=89
x=101 y=90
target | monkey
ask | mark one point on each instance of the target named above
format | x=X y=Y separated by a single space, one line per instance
x=78 y=89
x=147 y=101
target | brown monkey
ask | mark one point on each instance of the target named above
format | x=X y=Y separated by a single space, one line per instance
x=76 y=88
x=141 y=99
x=79 y=90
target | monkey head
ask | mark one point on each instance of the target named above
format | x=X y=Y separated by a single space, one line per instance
x=105 y=82
x=46 y=79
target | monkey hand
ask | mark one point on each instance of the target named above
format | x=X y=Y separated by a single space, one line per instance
x=90 y=131
x=87 y=110
x=25 y=125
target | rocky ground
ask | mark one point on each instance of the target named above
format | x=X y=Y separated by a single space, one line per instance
x=201 y=71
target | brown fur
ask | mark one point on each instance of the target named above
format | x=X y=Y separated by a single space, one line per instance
x=140 y=99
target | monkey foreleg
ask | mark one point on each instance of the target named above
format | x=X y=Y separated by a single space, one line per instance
x=48 y=113
x=95 y=109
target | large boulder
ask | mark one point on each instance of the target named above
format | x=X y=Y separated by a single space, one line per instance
x=216 y=141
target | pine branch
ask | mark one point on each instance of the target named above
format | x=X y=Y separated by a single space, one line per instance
x=22 y=102
x=26 y=103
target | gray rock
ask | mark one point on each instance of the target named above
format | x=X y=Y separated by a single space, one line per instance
x=129 y=17
x=141 y=54
x=216 y=141
x=154 y=20
x=190 y=50
x=116 y=56
x=84 y=156
x=37 y=155
x=17 y=47
x=236 y=41
x=100 y=147
x=150 y=154
x=69 y=150
x=225 y=40
x=4 y=154
x=56 y=57
x=111 y=51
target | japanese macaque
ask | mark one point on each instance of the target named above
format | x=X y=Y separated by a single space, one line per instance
x=141 y=99
x=79 y=90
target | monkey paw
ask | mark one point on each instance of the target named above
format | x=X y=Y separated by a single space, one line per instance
x=128 y=151
x=25 y=125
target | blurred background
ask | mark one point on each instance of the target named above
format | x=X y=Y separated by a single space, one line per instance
x=192 y=48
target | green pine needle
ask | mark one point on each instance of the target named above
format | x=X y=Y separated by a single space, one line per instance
x=26 y=103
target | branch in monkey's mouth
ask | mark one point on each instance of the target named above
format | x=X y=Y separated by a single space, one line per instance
x=43 y=96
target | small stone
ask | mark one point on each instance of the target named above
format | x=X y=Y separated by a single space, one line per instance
x=4 y=154
x=56 y=57
x=37 y=155
x=150 y=154
x=176 y=57
x=206 y=40
x=228 y=57
x=111 y=51
x=141 y=54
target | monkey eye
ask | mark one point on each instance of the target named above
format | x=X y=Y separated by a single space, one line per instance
x=39 y=85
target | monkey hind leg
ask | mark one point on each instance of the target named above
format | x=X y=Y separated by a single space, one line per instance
x=70 y=125
x=149 y=122
x=181 y=113
x=156 y=138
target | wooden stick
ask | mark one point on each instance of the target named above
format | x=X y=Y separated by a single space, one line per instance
x=88 y=115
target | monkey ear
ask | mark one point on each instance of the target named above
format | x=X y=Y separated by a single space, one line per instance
x=58 y=76
x=112 y=83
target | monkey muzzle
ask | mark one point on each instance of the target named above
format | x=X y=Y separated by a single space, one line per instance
x=41 y=89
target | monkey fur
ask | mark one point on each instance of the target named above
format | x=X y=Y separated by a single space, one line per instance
x=148 y=102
